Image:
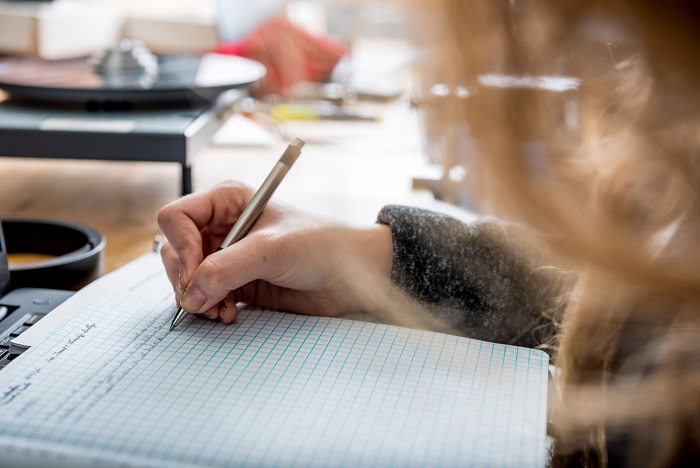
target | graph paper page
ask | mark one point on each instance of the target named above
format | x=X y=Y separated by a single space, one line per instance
x=144 y=276
x=273 y=389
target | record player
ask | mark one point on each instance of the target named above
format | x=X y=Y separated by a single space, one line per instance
x=124 y=104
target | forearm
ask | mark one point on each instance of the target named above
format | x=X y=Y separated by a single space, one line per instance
x=363 y=258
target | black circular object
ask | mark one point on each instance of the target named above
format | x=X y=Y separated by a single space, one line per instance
x=77 y=253
x=177 y=79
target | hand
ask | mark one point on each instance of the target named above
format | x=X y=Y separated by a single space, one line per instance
x=290 y=260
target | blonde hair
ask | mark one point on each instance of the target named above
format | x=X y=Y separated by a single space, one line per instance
x=619 y=196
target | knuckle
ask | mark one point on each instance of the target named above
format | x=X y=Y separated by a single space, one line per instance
x=165 y=214
x=233 y=185
x=188 y=245
x=235 y=189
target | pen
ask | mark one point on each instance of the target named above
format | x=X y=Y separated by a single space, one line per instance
x=255 y=206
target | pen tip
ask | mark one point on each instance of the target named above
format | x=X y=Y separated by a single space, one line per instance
x=299 y=144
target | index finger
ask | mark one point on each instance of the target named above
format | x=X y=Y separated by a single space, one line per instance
x=183 y=222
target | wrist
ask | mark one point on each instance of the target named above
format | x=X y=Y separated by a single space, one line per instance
x=369 y=269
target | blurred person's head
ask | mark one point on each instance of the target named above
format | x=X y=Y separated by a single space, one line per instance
x=617 y=192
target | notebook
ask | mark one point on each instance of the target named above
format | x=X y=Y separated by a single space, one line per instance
x=111 y=386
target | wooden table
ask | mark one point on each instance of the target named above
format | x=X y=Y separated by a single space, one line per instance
x=118 y=199
x=347 y=169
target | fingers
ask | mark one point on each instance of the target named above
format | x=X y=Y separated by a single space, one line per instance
x=194 y=226
x=195 y=222
x=181 y=222
x=172 y=269
x=225 y=311
x=225 y=271
x=228 y=309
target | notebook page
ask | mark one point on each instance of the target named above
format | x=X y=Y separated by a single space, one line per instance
x=273 y=389
x=144 y=276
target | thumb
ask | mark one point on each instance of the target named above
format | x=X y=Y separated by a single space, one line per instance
x=223 y=272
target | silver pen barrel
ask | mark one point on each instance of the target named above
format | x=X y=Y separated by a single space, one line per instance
x=252 y=211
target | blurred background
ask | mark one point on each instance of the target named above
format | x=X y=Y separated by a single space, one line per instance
x=338 y=76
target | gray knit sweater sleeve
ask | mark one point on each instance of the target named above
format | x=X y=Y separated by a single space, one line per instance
x=472 y=276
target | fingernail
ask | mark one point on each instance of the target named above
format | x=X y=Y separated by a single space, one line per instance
x=193 y=299
x=182 y=278
x=229 y=314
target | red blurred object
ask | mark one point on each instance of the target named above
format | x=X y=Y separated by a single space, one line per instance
x=290 y=54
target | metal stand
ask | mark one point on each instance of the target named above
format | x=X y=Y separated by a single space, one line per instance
x=172 y=134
